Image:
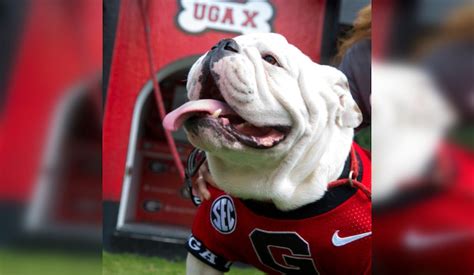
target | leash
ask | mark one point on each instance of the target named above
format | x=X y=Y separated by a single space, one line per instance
x=156 y=89
x=197 y=157
x=352 y=178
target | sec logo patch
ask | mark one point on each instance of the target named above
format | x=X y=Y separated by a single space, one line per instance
x=223 y=216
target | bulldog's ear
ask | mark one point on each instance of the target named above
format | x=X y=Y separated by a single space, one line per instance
x=348 y=113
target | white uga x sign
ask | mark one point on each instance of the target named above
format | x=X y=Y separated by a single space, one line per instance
x=197 y=16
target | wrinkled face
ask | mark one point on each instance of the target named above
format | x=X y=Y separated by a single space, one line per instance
x=257 y=94
x=247 y=73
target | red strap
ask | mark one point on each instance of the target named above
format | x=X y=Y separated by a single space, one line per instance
x=156 y=88
x=352 y=178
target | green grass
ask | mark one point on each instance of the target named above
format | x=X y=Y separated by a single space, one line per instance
x=33 y=262
x=130 y=264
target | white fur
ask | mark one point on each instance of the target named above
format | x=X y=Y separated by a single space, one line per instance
x=313 y=99
x=196 y=267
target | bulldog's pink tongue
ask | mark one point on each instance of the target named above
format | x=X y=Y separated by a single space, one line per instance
x=176 y=118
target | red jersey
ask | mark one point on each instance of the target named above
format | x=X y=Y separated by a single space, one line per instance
x=329 y=236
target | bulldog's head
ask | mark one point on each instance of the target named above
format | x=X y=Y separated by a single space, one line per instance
x=268 y=117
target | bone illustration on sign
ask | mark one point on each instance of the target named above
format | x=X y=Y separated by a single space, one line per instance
x=197 y=16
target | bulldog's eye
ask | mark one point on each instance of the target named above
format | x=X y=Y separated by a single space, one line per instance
x=270 y=59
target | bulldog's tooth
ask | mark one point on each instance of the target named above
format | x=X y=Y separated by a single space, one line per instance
x=216 y=113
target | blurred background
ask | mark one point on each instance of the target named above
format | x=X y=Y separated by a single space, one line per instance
x=91 y=183
x=50 y=137
x=422 y=137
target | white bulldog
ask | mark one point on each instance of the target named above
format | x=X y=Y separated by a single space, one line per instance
x=275 y=125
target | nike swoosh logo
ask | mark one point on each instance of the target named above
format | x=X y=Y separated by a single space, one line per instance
x=415 y=240
x=340 y=241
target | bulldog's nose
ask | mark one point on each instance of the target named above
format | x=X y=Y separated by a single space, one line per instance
x=227 y=44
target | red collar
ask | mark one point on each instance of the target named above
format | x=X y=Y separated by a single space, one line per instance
x=352 y=178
